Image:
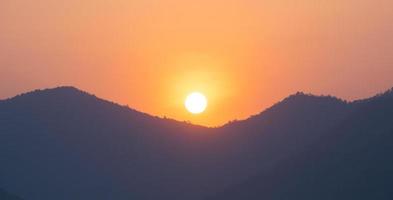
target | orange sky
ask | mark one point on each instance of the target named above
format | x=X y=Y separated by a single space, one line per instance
x=244 y=55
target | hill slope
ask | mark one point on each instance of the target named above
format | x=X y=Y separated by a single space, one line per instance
x=350 y=162
x=66 y=144
x=63 y=143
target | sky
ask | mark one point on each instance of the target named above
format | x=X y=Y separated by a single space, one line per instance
x=244 y=55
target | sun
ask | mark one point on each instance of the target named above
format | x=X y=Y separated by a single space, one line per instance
x=196 y=103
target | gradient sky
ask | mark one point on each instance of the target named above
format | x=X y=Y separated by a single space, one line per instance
x=244 y=55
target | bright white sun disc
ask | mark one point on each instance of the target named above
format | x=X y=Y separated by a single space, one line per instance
x=196 y=103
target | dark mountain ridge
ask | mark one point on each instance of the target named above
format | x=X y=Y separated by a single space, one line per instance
x=63 y=143
x=66 y=135
x=350 y=161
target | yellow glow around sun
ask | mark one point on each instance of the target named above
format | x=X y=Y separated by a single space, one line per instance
x=196 y=103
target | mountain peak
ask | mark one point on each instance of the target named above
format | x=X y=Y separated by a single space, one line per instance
x=60 y=89
x=57 y=91
x=301 y=99
x=66 y=87
x=307 y=96
x=299 y=103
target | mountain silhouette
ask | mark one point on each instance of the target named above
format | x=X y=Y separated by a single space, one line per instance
x=349 y=161
x=64 y=143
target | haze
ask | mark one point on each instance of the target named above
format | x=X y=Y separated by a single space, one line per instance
x=244 y=54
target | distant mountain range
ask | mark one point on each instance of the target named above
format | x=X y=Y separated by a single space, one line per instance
x=62 y=143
